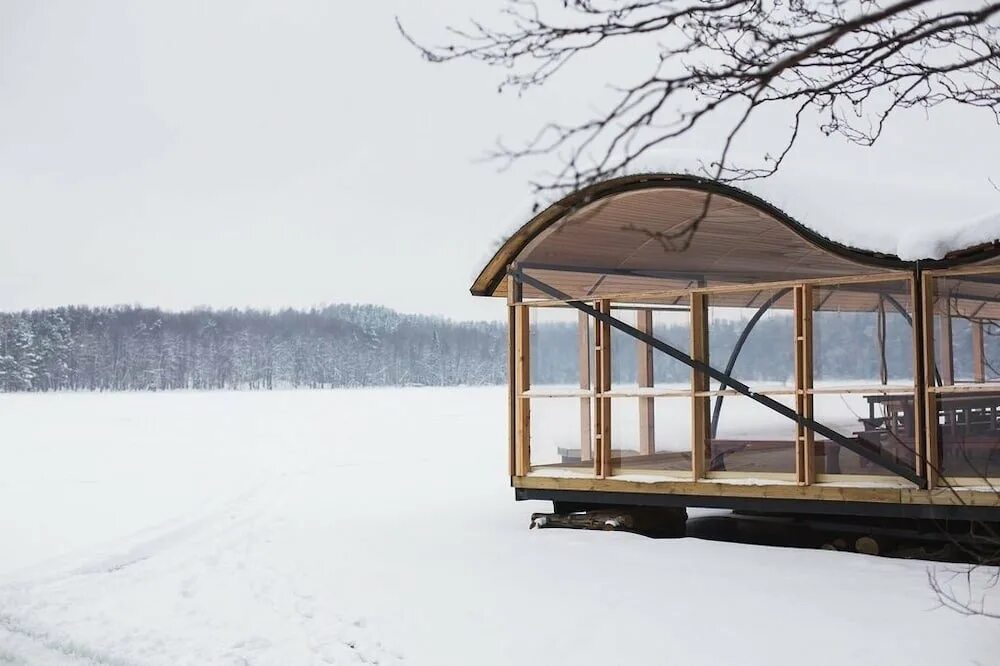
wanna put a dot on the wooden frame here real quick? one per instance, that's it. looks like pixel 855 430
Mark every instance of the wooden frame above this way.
pixel 513 292
pixel 939 343
pixel 583 342
pixel 602 386
pixel 920 374
pixel 700 408
pixel 736 234
pixel 651 296
pixel 958 271
pixel 595 397
pixel 886 493
pixel 522 372
pixel 805 457
pixel 930 446
pixel 644 367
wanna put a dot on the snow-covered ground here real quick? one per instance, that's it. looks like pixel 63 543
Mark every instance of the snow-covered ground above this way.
pixel 376 526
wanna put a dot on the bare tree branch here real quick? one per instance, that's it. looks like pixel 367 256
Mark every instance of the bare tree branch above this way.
pixel 853 64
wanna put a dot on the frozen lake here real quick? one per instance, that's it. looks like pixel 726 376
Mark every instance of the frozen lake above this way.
pixel 377 526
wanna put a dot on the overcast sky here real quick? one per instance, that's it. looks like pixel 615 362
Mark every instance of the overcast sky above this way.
pixel 273 154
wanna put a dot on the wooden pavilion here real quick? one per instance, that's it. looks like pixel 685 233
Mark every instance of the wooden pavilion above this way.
pixel 919 436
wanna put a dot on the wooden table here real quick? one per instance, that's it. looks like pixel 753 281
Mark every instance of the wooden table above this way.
pixel 972 413
pixel 967 423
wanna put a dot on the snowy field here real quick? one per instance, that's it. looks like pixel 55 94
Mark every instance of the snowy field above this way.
pixel 377 526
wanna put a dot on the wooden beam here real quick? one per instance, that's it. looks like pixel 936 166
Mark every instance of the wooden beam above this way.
pixel 513 292
pixel 932 456
pixel 919 376
pixel 602 404
pixel 583 341
pixel 655 295
pixel 966 389
pixel 598 397
pixel 850 491
pixel 644 364
pixel 964 270
pixel 978 352
pixel 805 454
pixel 522 345
pixel 807 355
pixel 700 416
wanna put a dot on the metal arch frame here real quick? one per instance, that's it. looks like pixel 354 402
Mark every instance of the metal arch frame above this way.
pixel 738 347
pixel 909 320
pixel 851 444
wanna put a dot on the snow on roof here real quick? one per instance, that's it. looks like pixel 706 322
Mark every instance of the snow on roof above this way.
pixel 912 220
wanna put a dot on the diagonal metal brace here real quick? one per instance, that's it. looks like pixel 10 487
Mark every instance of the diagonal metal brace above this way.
pixel 848 443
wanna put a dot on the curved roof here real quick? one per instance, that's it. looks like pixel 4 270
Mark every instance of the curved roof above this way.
pixel 613 237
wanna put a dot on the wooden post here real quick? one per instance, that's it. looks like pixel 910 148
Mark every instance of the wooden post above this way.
pixel 930 411
pixel 522 344
pixel 513 295
pixel 586 436
pixel 805 453
pixel 919 376
pixel 598 382
pixel 644 364
pixel 978 352
pixel 602 381
pixel 700 418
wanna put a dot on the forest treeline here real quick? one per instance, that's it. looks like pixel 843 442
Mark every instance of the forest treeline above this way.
pixel 133 348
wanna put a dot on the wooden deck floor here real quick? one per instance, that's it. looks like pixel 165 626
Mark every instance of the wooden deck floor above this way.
pixel 744 456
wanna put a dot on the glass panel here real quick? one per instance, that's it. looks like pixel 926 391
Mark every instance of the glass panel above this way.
pixel 674 328
pixel 862 334
pixel 673 436
pixel 556 361
pixel 556 440
pixel 883 423
pixel 651 431
pixel 966 349
pixel 967 329
pixel 753 334
pixel 624 430
pixel 968 434
pixel 752 438
pixel 863 374
pixel 561 350
pixel 763 320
